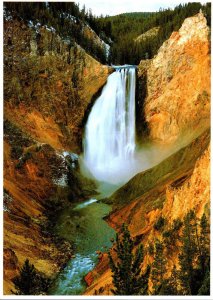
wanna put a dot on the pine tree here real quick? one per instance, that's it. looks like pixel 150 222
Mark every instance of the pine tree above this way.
pixel 25 282
pixel 126 269
pixel 29 281
pixel 205 287
pixel 169 286
pixel 204 242
pixel 204 256
pixel 158 268
pixel 194 258
pixel 189 251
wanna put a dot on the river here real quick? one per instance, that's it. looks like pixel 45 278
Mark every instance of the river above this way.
pixel 109 157
pixel 83 225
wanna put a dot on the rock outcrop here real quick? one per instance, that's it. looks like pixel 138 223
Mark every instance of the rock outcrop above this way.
pixel 49 85
pixel 32 184
pixel 175 168
pixel 175 84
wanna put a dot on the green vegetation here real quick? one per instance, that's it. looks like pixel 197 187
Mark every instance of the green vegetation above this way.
pixel 160 223
pixel 190 238
pixel 204 244
pixel 171 236
pixel 127 277
pixel 30 281
pixel 127 27
pixel 16 138
pixel 159 268
pixel 170 285
pixel 119 31
pixel 150 249
pixel 192 275
pixel 194 257
pixel 65 18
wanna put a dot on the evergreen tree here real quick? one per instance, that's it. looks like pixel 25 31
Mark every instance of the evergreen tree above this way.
pixel 194 258
pixel 204 242
pixel 119 31
pixel 205 287
pixel 173 282
pixel 169 286
pixel 126 269
pixel 171 236
pixel 25 282
pixel 204 256
pixel 158 268
pixel 189 251
pixel 144 283
pixel 29 281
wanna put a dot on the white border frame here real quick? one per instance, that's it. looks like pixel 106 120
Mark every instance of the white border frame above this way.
pixel 1 214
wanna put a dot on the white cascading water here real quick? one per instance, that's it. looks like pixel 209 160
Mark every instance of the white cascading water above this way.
pixel 109 143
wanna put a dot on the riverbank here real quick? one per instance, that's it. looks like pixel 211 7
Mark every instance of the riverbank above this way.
pixel 83 226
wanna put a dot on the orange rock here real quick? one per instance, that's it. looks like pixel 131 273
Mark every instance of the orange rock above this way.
pixel 10 260
pixel 59 85
pixel 175 79
pixel 43 75
pixel 89 278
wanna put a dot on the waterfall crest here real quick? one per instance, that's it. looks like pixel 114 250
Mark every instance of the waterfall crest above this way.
pixel 109 142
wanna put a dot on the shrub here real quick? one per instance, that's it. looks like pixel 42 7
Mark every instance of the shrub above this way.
pixel 177 224
pixel 160 223
pixel 16 151
pixel 150 249
pixel 23 160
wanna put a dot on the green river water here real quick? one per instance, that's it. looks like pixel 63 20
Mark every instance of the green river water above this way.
pixel 83 225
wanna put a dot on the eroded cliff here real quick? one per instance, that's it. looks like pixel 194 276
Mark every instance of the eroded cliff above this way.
pixel 49 85
pixel 175 84
pixel 175 103
pixel 181 183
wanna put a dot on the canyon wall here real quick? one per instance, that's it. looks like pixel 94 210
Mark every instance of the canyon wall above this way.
pixel 183 190
pixel 175 84
pixel 175 104
pixel 49 85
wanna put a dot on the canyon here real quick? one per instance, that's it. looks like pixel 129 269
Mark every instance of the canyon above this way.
pixel 43 125
pixel 50 87
pixel 175 81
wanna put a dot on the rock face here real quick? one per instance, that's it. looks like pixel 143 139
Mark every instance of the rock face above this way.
pixel 175 85
pixel 174 102
pixel 177 166
pixel 49 86
pixel 31 185
pixel 169 190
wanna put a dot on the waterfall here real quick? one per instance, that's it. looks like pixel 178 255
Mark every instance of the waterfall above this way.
pixel 109 142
